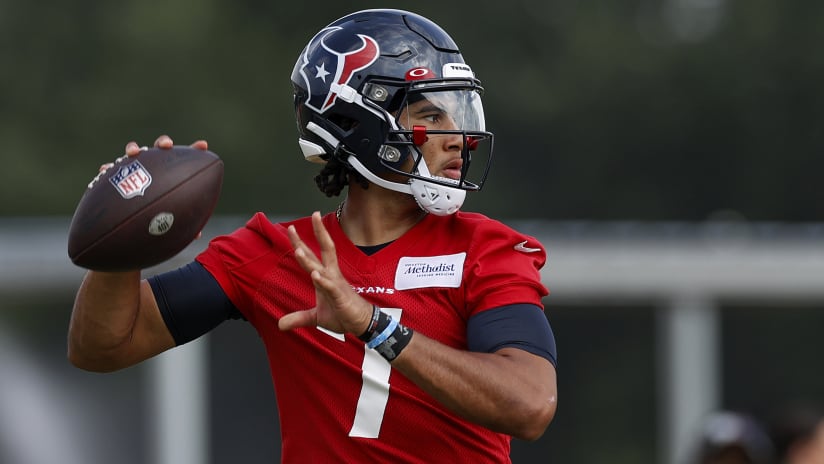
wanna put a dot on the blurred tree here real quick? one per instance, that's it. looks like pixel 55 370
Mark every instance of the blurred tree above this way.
pixel 644 109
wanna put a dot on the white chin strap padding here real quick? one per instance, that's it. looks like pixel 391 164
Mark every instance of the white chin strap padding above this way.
pixel 432 198
pixel 437 199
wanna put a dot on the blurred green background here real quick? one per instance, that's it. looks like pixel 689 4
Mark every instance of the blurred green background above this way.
pixel 642 111
pixel 645 109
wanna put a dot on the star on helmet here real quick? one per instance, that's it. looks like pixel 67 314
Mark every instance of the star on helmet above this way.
pixel 321 72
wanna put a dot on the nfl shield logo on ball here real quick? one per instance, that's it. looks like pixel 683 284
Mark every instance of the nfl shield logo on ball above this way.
pixel 131 180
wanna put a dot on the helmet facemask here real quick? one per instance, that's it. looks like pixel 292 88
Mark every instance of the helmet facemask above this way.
pixel 444 118
pixel 360 85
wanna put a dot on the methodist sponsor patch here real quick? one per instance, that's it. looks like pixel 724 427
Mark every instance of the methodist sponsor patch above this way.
pixel 430 271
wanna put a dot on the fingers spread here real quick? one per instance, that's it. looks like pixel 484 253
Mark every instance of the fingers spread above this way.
pixel 294 237
pixel 306 258
pixel 307 318
pixel 327 245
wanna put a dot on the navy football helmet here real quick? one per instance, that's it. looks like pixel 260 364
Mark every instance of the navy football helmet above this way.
pixel 355 83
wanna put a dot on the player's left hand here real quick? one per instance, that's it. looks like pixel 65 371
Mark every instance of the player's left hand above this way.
pixel 338 307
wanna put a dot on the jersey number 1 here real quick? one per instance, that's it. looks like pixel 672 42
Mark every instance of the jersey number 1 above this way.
pixel 374 391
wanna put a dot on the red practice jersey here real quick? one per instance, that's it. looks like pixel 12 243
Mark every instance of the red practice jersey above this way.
pixel 340 401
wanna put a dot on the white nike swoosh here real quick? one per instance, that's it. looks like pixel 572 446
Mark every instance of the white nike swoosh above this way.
pixel 522 247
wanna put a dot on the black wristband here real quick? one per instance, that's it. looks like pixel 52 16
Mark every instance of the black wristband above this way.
pixel 370 331
pixel 395 343
pixel 385 335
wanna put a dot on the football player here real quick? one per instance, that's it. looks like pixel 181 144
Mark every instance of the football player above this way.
pixel 398 328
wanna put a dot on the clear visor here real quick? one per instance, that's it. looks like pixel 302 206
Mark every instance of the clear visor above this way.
pixel 447 129
pixel 444 110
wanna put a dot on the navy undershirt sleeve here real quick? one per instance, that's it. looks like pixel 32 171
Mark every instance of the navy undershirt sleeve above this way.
pixel 522 326
pixel 191 301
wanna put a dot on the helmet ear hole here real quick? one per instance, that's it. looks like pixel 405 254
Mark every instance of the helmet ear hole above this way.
pixel 343 122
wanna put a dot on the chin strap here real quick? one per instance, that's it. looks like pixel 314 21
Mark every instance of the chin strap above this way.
pixel 437 199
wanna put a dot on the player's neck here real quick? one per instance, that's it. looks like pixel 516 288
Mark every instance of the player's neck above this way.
pixel 374 218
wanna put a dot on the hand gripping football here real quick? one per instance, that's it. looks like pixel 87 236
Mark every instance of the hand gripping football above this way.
pixel 145 209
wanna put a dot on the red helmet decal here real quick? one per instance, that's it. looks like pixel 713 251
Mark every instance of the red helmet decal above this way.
pixel 416 74
pixel 353 61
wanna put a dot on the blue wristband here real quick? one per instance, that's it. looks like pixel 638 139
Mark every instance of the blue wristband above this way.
pixel 393 324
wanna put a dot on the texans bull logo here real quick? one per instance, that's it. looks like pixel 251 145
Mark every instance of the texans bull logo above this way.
pixel 337 57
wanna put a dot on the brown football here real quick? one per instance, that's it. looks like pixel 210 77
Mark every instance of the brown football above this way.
pixel 145 209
